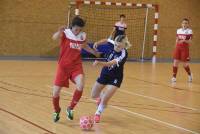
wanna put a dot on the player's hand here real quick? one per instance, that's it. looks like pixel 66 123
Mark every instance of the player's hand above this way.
pixel 95 63
pixel 181 41
pixel 95 46
pixel 97 54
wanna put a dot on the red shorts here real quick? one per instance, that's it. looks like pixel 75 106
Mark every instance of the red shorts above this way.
pixel 182 53
pixel 63 75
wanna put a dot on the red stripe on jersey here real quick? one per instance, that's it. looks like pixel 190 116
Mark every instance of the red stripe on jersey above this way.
pixel 184 36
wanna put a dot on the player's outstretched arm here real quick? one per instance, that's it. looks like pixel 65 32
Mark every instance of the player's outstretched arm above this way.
pixel 90 50
pixel 58 34
pixel 107 64
pixel 100 42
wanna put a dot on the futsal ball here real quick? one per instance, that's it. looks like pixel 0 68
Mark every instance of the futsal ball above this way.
pixel 86 122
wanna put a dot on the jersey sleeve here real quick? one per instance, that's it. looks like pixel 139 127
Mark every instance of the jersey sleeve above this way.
pixel 121 58
pixel 191 33
pixel 111 41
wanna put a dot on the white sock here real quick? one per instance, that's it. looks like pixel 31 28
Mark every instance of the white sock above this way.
pixel 100 109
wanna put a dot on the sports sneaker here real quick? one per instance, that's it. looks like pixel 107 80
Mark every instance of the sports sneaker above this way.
pixel 97 118
pixel 70 114
pixel 98 101
pixel 173 79
pixel 56 116
pixel 190 78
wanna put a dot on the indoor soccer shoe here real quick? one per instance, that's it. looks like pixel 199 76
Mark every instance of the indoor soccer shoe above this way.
pixel 70 114
pixel 56 116
pixel 173 79
pixel 97 118
pixel 190 78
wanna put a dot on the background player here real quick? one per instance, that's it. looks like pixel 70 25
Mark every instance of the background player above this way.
pixel 70 64
pixel 181 53
pixel 119 28
pixel 111 74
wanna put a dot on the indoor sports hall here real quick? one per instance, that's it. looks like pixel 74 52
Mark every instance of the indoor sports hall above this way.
pixel 160 90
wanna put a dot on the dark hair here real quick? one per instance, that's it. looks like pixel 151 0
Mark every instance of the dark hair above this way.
pixel 78 21
pixel 119 38
pixel 186 19
pixel 122 16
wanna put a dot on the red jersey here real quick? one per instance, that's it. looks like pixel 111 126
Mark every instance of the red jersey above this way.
pixel 184 34
pixel 70 48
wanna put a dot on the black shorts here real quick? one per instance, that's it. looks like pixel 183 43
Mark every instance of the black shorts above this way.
pixel 106 79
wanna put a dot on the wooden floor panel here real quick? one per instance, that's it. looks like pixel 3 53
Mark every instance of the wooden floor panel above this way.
pixel 146 103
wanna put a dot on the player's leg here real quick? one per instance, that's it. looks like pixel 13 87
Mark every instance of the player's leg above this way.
pixel 77 77
pixel 79 81
pixel 61 80
pixel 108 93
pixel 187 69
pixel 55 101
pixel 186 59
pixel 176 62
pixel 175 69
pixel 97 92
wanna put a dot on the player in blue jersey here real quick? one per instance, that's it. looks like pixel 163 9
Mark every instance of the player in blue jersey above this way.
pixel 112 72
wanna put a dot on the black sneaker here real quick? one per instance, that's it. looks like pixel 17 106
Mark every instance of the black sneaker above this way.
pixel 56 116
pixel 70 114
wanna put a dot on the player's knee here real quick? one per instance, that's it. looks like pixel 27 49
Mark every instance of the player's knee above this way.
pixel 80 87
pixel 93 95
pixel 176 63
pixel 185 64
pixel 56 91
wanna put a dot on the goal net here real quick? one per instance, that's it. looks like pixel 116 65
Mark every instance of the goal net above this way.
pixel 100 19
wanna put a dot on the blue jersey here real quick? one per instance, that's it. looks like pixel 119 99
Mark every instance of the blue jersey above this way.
pixel 117 69
pixel 113 75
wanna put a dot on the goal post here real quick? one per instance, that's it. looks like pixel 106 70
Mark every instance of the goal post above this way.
pixel 141 19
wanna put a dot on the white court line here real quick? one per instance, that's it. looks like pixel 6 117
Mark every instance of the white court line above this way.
pixel 141 115
pixel 153 119
pixel 156 99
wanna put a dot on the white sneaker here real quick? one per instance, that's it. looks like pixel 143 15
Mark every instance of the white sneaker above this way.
pixel 173 79
pixel 190 78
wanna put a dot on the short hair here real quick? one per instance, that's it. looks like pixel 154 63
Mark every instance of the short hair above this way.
pixel 122 16
pixel 78 21
pixel 186 19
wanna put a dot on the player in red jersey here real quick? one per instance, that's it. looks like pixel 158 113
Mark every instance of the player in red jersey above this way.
pixel 181 53
pixel 70 64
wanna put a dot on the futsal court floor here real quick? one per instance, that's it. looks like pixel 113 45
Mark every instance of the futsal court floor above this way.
pixel 147 102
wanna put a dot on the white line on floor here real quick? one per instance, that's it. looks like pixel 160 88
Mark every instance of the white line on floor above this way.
pixel 156 99
pixel 141 115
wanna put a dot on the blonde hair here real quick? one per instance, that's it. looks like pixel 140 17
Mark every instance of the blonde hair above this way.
pixel 123 39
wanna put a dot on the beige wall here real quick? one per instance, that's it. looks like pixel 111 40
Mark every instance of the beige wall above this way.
pixel 27 26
